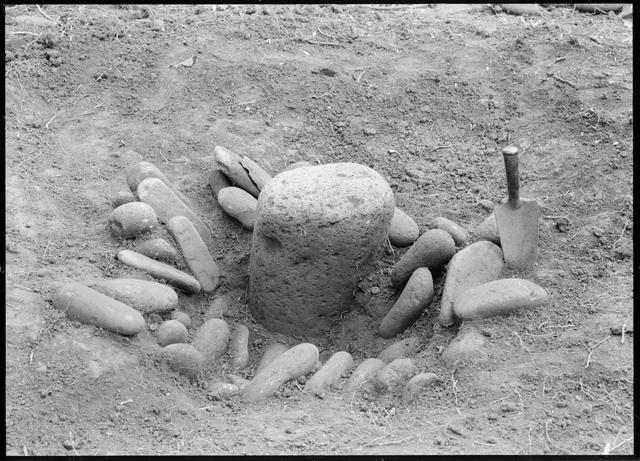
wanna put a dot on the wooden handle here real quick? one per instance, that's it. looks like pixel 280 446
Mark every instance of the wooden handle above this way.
pixel 510 155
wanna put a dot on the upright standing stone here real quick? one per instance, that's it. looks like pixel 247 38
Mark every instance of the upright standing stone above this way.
pixel 318 231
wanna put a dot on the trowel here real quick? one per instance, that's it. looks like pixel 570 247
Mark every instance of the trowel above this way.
pixel 517 219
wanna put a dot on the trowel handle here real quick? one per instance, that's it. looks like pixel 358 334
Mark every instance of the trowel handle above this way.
pixel 510 154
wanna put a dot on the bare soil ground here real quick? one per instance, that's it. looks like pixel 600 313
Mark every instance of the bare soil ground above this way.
pixel 427 97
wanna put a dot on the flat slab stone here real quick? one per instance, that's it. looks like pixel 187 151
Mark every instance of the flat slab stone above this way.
pixel 318 231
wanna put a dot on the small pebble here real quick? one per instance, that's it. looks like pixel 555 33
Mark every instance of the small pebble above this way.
pixel 403 230
pixel 212 339
pixel 458 233
pixel 171 332
pixel 370 131
pixel 239 204
pixel 401 349
pixel 182 358
pixel 68 444
pixel 181 317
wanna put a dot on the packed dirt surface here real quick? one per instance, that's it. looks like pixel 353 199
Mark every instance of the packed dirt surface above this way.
pixel 426 96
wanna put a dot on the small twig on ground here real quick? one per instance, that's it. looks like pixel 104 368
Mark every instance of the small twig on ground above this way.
pixel 24 32
pixel 162 155
pixel 245 103
pixel 624 228
pixel 562 80
pixel 314 42
pixel 46 125
pixel 546 432
pixel 590 349
pixel 500 400
pixel 454 388
pixel 530 428
pixel 440 147
pixel 121 74
pixel 324 33
pixel 78 100
pixel 46 15
pixel 519 398
pixel 125 402
pixel 360 76
pixel 515 333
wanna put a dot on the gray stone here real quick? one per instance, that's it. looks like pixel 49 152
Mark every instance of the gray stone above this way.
pixel 404 230
pixel 330 373
pixel 89 306
pixel 160 270
pixel 230 164
pixel 319 231
pixel 239 347
pixel 182 358
pixel 143 295
pixel 257 174
pixel 416 385
pixel 121 198
pixel 195 253
pixel 498 297
pixel 414 299
pixel 432 250
pixel 271 351
pixel 140 171
pixel 217 181
pixel 167 205
pixel 467 347
pixel 171 332
pixel 394 375
pixel 212 339
pixel 458 233
pixel 158 248
pixel 181 317
pixel 401 349
pixel 132 219
pixel 239 204
pixel 222 391
pixel 476 264
pixel 362 377
pixel 487 230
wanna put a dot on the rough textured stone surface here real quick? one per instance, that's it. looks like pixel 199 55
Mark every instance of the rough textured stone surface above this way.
pixel 487 230
pixel 89 306
pixel 140 171
pixel 394 375
pixel 458 233
pixel 319 230
pixel 217 181
pixel 181 317
pixel 433 250
pixel 402 349
pixel 167 205
pixel 239 204
pixel 296 362
pixel 239 347
pixel 476 264
pixel 415 386
pixel 498 297
pixel 229 164
pixel 330 373
pixel 171 332
pixel 143 295
pixel 212 339
pixel 121 198
pixel 158 248
pixel 362 377
pixel 195 253
pixel 272 351
pixel 467 347
pixel 182 358
pixel 415 298
pixel 132 219
pixel 160 270
pixel 403 230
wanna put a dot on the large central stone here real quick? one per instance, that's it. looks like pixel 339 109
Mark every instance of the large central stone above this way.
pixel 318 231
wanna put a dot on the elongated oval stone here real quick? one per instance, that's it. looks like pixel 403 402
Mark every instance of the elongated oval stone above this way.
pixel 474 265
pixel 498 297
pixel 212 340
pixel 362 377
pixel 89 306
pixel 297 361
pixel 272 351
pixel 458 233
pixel 330 373
pixel 160 270
pixel 158 248
pixel 394 375
pixel 182 358
pixel 414 299
pixel 229 164
pixel 239 347
pixel 143 295
pixel 416 385
pixel 195 253
pixel 140 171
pixel 401 349
pixel 239 204
pixel 432 250
pixel 167 205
